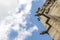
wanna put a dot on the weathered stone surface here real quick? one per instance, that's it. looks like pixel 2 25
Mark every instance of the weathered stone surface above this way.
pixel 49 15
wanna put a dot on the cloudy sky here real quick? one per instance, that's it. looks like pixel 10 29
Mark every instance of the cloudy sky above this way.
pixel 17 20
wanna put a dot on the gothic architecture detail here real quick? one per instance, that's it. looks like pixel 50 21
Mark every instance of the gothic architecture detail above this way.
pixel 49 15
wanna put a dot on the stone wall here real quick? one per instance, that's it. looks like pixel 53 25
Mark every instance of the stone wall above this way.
pixel 49 15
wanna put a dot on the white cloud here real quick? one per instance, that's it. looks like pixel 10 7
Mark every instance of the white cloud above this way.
pixel 5 6
pixel 13 20
pixel 25 33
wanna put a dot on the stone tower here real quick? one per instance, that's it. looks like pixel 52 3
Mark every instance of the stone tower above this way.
pixel 49 15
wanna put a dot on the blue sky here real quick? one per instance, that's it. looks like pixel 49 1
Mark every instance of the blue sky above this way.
pixel 20 22
pixel 36 35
